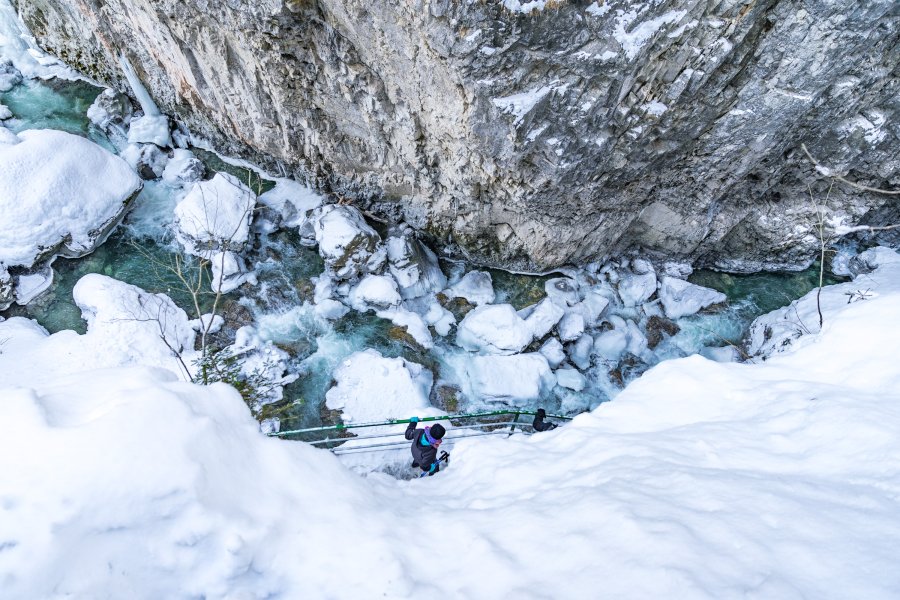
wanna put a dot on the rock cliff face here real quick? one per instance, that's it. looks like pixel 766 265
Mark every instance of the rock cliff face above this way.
pixel 535 133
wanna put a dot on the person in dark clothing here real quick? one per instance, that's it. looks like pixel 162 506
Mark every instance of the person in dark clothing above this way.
pixel 425 444
pixel 538 422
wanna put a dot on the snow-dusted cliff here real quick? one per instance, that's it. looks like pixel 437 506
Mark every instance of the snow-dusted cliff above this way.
pixel 532 133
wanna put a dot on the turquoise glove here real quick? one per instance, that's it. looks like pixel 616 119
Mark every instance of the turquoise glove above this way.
pixel 414 420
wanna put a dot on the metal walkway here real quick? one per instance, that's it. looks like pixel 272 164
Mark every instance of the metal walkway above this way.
pixel 500 422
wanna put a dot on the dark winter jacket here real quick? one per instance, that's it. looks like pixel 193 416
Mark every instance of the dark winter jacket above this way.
pixel 539 424
pixel 424 455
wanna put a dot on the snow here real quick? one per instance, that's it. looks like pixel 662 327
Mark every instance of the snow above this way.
pixel 636 38
pixel 370 387
pixel 17 46
pixel 52 173
pixel 571 326
pixel 215 213
pixel 553 351
pixel 680 298
pixel 476 287
pixel 635 289
pixel 519 105
pixel 700 480
pixel 570 378
pixel 515 380
pixel 413 265
pixel 5 113
pixel 524 7
pixel 493 328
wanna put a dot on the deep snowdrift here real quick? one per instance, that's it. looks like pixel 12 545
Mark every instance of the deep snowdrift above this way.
pixel 771 480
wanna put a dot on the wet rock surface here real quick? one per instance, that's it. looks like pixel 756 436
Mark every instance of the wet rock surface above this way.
pixel 673 126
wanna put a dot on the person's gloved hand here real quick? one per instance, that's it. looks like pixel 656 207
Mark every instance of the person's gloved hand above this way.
pixel 414 420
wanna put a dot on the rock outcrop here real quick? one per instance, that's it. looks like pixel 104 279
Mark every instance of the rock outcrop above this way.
pixel 532 138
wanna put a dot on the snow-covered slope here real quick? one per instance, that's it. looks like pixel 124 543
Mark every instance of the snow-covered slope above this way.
pixel 701 480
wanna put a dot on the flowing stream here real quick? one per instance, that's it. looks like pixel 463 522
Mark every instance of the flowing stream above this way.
pixel 138 250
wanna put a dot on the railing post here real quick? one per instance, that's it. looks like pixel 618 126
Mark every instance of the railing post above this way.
pixel 512 427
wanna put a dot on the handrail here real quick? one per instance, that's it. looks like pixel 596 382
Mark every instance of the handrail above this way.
pixel 345 426
pixel 404 444
pixel 400 433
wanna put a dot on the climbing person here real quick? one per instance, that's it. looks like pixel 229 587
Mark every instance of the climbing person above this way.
pixel 538 422
pixel 425 444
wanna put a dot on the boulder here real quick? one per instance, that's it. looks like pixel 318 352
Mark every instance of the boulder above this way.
pixel 493 328
pixel 349 246
pixel 516 380
pixel 680 298
pixel 475 287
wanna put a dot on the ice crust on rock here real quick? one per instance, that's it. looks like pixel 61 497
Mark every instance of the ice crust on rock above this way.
pixel 150 129
pixel 369 387
pixel 10 76
pixel 553 351
pixel 571 326
pixel 51 198
pixel 184 168
pixel 476 287
pixel 493 328
pixel 292 200
pixel 563 291
pixel 515 380
pixel 111 110
pixel 413 265
pixel 680 298
pixel 637 288
pixel 5 113
pixel 570 378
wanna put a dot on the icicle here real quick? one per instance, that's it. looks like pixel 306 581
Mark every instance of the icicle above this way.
pixel 140 92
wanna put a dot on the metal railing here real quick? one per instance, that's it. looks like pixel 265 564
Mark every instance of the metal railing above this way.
pixel 461 429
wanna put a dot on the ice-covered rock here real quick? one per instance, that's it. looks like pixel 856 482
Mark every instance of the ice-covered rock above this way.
pixel 476 287
pixel 571 326
pixel 375 292
pixel 637 288
pixel 553 351
pixel 515 380
pixel 595 303
pixel 262 360
pixel 680 298
pixel 5 113
pixel 214 215
pixel 413 265
pixel 32 285
pixel 871 259
pixel 212 221
pixel 7 137
pixel 52 197
pixel 570 378
pixel 720 354
pixel 580 351
pixel 184 168
pixel 292 200
pixel 208 322
pixel 349 246
pixel 370 387
pixel 637 341
pixel 9 75
pixel 680 270
pixel 439 317
pixel 543 317
pixel 150 129
pixel 111 110
pixel 563 291
pixel 414 324
pixel 494 328
pixel 610 345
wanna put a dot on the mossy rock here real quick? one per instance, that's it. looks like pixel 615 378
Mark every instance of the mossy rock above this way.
pixel 459 307
pixel 446 397
pixel 400 333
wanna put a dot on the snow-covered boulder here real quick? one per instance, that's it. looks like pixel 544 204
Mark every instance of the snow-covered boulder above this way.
pixel 370 387
pixel 476 287
pixel 413 265
pixel 494 328
pixel 680 298
pixel 594 306
pixel 5 113
pixel 147 159
pixel 515 380
pixel 439 317
pixel 292 200
pixel 579 352
pixel 111 109
pixel 610 345
pixel 563 291
pixel 213 221
pixel 414 324
pixel 150 129
pixel 571 326
pixel 375 292
pixel 52 201
pixel 183 168
pixel 553 351
pixel 543 317
pixel 9 76
pixel 349 246
pixel 637 288
pixel 570 378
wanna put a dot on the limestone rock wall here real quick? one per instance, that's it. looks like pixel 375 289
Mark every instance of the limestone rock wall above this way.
pixel 533 139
